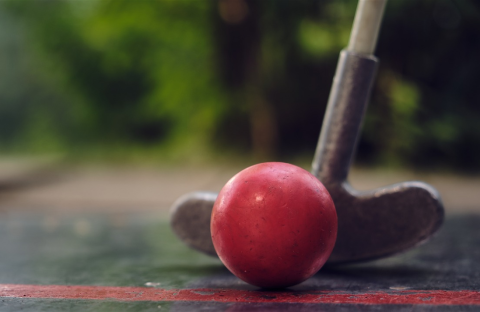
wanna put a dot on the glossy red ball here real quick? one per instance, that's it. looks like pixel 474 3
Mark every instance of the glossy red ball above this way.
pixel 274 225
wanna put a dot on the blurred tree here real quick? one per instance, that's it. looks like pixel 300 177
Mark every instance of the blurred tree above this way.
pixel 142 70
pixel 277 76
pixel 240 74
pixel 239 42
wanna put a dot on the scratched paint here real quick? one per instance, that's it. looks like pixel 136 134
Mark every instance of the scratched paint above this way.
pixel 412 297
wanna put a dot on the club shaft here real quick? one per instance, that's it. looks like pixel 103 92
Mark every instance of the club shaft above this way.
pixel 366 26
pixel 349 96
pixel 343 118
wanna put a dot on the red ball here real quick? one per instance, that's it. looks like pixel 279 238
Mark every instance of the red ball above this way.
pixel 274 225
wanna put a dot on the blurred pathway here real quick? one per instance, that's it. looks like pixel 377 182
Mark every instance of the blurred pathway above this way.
pixel 25 186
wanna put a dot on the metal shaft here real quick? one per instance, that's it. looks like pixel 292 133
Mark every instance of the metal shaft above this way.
pixel 343 118
pixel 349 96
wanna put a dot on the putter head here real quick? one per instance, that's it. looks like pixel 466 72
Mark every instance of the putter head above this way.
pixel 371 225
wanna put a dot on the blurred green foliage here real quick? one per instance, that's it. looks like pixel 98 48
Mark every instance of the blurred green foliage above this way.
pixel 184 78
pixel 135 72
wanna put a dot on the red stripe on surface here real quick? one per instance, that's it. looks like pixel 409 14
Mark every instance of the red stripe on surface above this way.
pixel 431 297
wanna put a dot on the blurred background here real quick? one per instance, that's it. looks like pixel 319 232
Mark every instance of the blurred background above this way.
pixel 231 83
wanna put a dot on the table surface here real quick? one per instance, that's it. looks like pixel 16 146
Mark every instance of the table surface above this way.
pixel 131 261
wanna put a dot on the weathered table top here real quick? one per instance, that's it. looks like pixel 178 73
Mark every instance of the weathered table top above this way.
pixel 133 262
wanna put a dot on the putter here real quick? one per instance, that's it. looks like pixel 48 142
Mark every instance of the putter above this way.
pixel 372 224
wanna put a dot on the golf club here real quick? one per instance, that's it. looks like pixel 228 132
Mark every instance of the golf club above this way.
pixel 371 224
